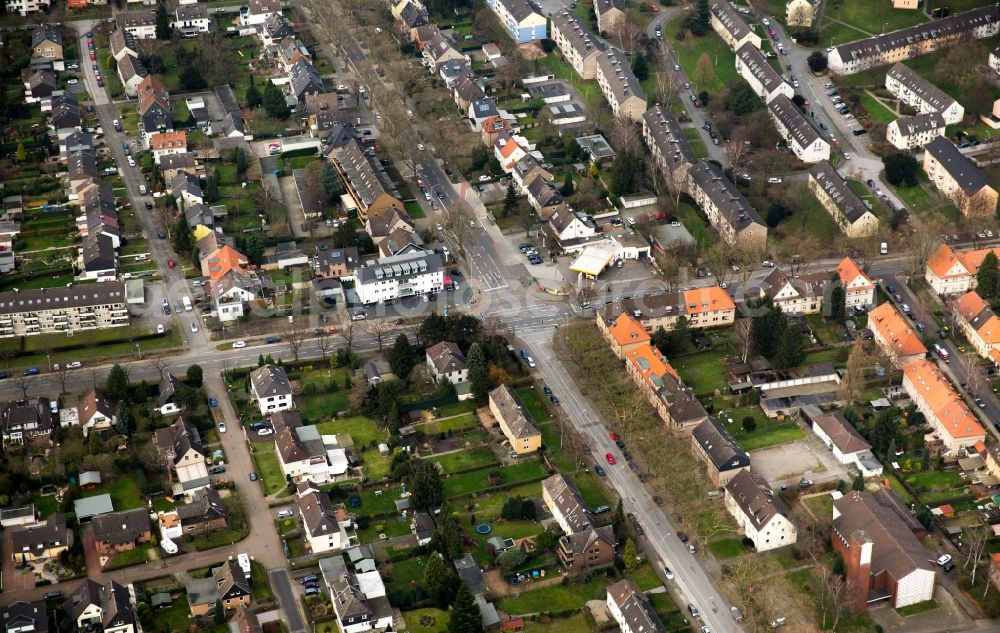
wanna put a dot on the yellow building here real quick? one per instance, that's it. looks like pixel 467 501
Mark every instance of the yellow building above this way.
pixel 958 178
pixel 515 420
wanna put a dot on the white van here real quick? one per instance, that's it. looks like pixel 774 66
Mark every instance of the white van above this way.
pixel 142 190
pixel 884 248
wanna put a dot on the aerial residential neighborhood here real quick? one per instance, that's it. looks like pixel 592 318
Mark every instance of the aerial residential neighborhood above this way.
pixel 458 316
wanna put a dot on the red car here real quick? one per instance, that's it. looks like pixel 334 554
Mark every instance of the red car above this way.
pixel 614 436
pixel 697 103
pixel 93 57
pixel 611 459
pixel 171 263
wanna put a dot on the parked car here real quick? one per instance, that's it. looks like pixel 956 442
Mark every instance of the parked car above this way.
pixel 222 427
pixel 284 514
pixel 31 371
pixel 74 364
pixel 239 344
pixel 599 471
pixel 253 476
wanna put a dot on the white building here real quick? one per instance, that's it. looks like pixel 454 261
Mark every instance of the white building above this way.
pixel 916 92
pixel 271 389
pixel 802 138
pixel 191 20
pixel 258 11
pixel 859 288
pixel 305 455
pixel 404 275
pixel 26 7
pixel 520 19
pixel 844 441
pixel 446 360
pixel 631 609
pixel 761 514
pixel 913 132
pixel 326 526
pixel 140 23
pixel 758 72
pixel 731 26
pixel 63 309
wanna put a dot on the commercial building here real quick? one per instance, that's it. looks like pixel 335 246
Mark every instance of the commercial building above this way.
pixel 844 441
pixel 878 540
pixel 761 514
pixel 915 91
pixel 913 132
pixel 896 46
pixel 405 275
pixel 760 74
pixel 63 309
pixel 850 212
pixel 729 213
pixel 958 178
pixel 800 135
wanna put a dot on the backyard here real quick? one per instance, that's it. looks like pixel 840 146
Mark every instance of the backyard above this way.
pixel 690 50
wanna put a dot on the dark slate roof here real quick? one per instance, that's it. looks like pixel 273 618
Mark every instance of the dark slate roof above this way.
pixel 119 528
pixel 205 505
pixel 965 173
pixel 98 252
pixel 666 133
pixel 755 498
pixel 178 438
pixel 635 608
pixel 26 617
pixel 799 128
pixel 118 610
pixel 732 205
pixel 35 538
pixel 270 380
pixel 876 518
pixel 928 92
pixel 46 32
pixel 722 449
pixel 911 125
pixel 851 206
pixel 89 593
pixel 446 357
pixel 318 513
pixel 515 414
pixel 62 297
pixel 569 502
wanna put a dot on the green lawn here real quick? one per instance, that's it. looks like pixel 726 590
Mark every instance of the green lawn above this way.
pixel 323 406
pixel 391 527
pixel 426 621
pixel 376 465
pixel 466 459
pixel 414 209
pixel 768 435
pixel 456 408
pixel 696 224
pixel 555 598
pixel 363 430
pixel 124 491
pixel 920 607
pixel 533 400
pixel 821 506
pixel 835 33
pixel 377 505
pixel 703 372
pixel 462 422
pixel 127 559
pixel 688 54
pixel 873 17
pixel 935 480
pixel 45 505
pixel 174 618
pixel 468 483
pixel 726 548
pixel 591 489
pixel 876 109
pixel 645 576
pixel 268 468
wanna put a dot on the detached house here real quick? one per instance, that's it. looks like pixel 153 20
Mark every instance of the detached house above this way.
pixel 325 525
pixel 166 403
pixel 446 360
pixel 23 421
pixel 583 544
pixel 205 512
pixel 859 288
pixel 271 388
pixel 121 531
pixel 515 420
pixel 25 617
pixel 97 412
pixel 227 585
pixel 761 514
pixel 631 609
pixel 47 42
pixel 844 441
pixel 40 541
pixel 180 447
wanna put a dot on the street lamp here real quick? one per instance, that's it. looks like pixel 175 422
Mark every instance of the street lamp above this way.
pixel 139 350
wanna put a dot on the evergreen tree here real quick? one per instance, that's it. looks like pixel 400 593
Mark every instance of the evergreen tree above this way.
pixel 426 491
pixel 451 537
pixel 859 483
pixel 220 614
pixel 195 376
pixel 926 518
pixel 465 616
pixel 628 556
pixel 749 424
pixel 116 386
pixel 435 582
pixel 883 430
pixel 791 350
pixel 640 68
pixel 567 186
pixel 274 102
pixel 182 240
pixel 618 522
pixel 211 188
pixel 509 200
pixel 254 99
pixel 124 419
pixel 445 388
pixel 241 161
pixel 925 460
pixel 768 328
pixel 704 17
pixel 191 78
pixel 20 154
pixel 986 277
pixel 838 303
pixel 402 357
pixel 626 173
pixel 479 377
pixel 890 452
pixel 163 29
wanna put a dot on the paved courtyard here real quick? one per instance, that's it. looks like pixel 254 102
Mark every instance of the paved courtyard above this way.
pixel 807 458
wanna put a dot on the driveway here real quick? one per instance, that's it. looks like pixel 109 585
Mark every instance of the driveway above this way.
pixel 293 206
pixel 13 578
pixel 90 555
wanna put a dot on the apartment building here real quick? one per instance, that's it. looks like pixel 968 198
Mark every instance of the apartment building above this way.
pixel 610 14
pixel 958 178
pixel 620 87
pixel 859 288
pixel 913 132
pixel 730 25
pixel 63 309
pixel 760 74
pixel 761 514
pixel 631 609
pixel 722 454
pixel 27 7
pixel 668 145
pixel 896 46
pixel 729 213
pixel 366 181
pixel 622 331
pixel 167 144
pixel 951 272
pixel 892 331
pixel 583 544
pixel 800 135
pixel 979 324
pixel 879 541
pixel 140 23
pixel 954 424
pixel 520 19
pixel 848 210
pixel 673 401
pixel 915 91
pixel 515 420
pixel 706 307
pixel 403 275
pixel 801 294
pixel 577 44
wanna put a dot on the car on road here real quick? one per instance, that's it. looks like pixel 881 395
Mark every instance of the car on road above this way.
pixel 239 344
pixel 614 436
pixel 530 360
pixel 253 476
pixel 148 205
pixel 284 514
pixel 213 402
pixel 217 470
pixel 440 195
pixel 454 272
pixel 194 327
pixel 980 403
pixel 131 160
pixel 4 374
pixel 72 80
pixel 669 574
pixel 171 263
pixel 93 56
pixel 947 567
pixel 75 364
pixel 554 400
pixel 677 68
pixel 222 427
pixel 611 459
pixel 272 339
pixel 599 471
pixel 806 483
pixel 546 390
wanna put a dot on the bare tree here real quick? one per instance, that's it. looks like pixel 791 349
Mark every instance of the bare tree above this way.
pixel 378 329
pixel 347 331
pixel 627 35
pixel 324 341
pixel 62 375
pixel 975 543
pixel 744 337
pixel 834 595
pixel 23 383
pixel 853 379
pixel 295 337
pixel 161 365
pixel 922 244
pixel 976 379
pixel 625 135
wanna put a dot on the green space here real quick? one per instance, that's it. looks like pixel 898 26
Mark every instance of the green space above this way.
pixel 571 624
pixel 456 408
pixel 691 217
pixel 364 431
pixel 645 576
pixel 703 372
pixel 565 597
pixel 477 480
pixel 689 52
pixel 768 434
pixel 836 33
pixel 871 17
pixel 414 209
pixel 390 527
pixel 821 506
pixel 127 559
pixel 878 111
pixel 174 618
pixel 46 505
pixel 935 480
pixel 591 489
pixel 320 406
pixel 268 468
pixel 124 491
pixel 426 620
pixel 376 465
pixel 534 401
pixel 373 504
pixel 462 422
pixel 260 590
pixel 726 548
pixel 465 459
pixel 920 607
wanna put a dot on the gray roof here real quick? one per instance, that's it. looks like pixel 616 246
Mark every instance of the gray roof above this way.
pixel 305 79
pixel 446 357
pixel 876 47
pixel 580 542
pixel 190 12
pixel 89 593
pixel 121 40
pixel 438 46
pixel 402 266
pixel 635 608
pixel 227 98
pixel 46 32
pixel 318 513
pixel 413 15
pixel 576 33
pixel 179 438
pixel 519 9
pixel 205 505
pixel 603 6
pixel 90 477
pixel 270 380
pixel 348 257
pixel 759 67
pixel 123 527
pixel 722 449
pixel 515 414
pixel 733 207
pixel 380 226
pixel 467 89
pixel 362 170
pixel 881 519
pixel 755 498
pixel 231 580
pixel 64 297
pixel 25 617
pixel 912 125
pixel 93 506
pixel 568 501
pixel 141 17
pixel 33 539
pixel 730 18
pixel 668 137
pixel 928 92
pixel 850 205
pixel 618 72
pixel 965 173
pixel 841 432
pixel 130 68
pixel 468 570
pixel 118 611
pixel 799 128
pixel 29 417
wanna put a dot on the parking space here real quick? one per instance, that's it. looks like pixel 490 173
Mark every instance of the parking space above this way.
pixel 803 459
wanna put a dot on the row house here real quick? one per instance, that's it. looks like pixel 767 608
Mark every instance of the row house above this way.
pixel 894 335
pixel 669 147
pixel 954 424
pixel 849 211
pixel 365 180
pixel 958 178
pixel 674 402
